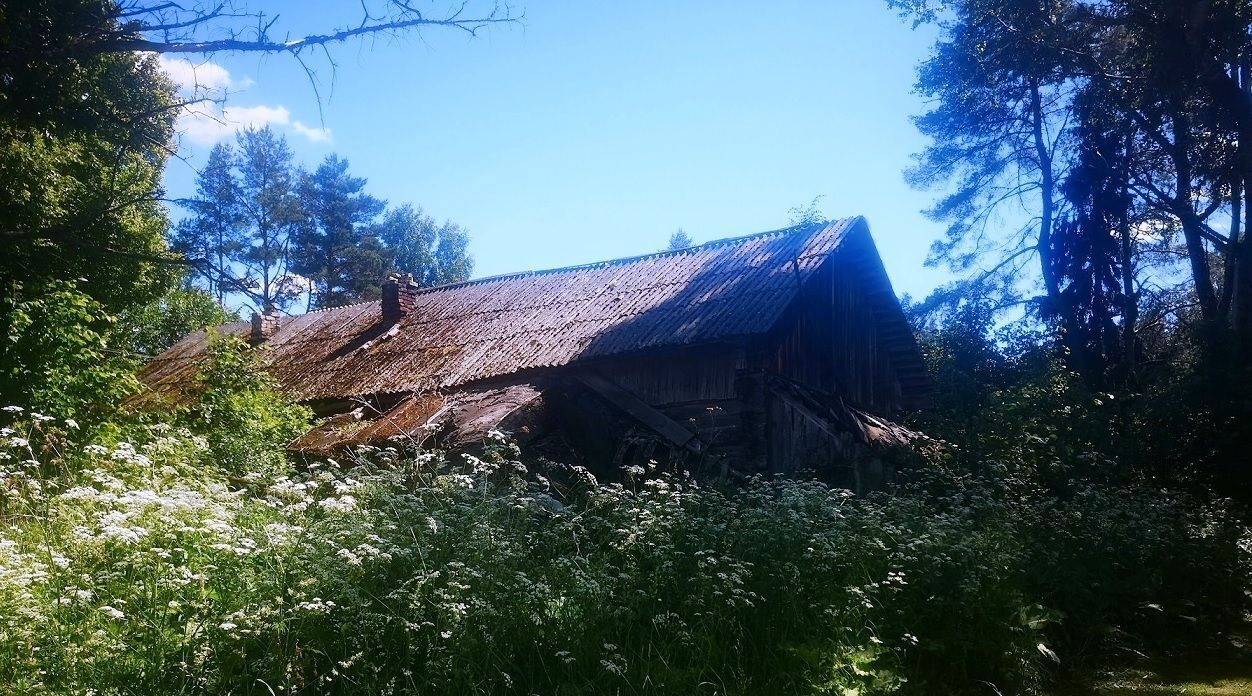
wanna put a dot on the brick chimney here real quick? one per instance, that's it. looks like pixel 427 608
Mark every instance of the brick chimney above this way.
pixel 399 296
pixel 264 325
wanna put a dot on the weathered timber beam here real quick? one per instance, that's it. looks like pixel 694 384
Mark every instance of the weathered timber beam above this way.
pixel 816 418
pixel 636 408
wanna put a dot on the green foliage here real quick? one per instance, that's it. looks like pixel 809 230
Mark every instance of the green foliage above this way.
pixel 82 144
pixel 807 214
pixel 55 354
pixel 337 249
pixel 1190 423
pixel 214 232
pixel 245 420
pixel 679 240
pixel 1129 569
pixel 146 569
pixel 1008 403
pixel 434 253
pixel 149 329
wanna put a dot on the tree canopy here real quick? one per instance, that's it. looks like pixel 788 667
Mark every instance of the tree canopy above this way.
pixel 87 122
pixel 1085 148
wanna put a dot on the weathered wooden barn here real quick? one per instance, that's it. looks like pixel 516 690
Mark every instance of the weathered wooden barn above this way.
pixel 785 351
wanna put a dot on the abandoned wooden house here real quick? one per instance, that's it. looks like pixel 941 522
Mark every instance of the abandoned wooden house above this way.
pixel 785 351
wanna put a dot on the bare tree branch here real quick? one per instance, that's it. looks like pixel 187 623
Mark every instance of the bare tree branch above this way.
pixel 169 28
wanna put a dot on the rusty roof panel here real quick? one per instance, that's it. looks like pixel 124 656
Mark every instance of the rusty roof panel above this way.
pixel 485 328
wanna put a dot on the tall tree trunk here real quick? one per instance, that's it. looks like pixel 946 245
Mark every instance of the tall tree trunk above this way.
pixel 1130 309
pixel 216 282
pixel 266 249
pixel 1230 267
pixel 1071 335
pixel 1239 252
pixel 1239 258
pixel 1184 209
pixel 1047 203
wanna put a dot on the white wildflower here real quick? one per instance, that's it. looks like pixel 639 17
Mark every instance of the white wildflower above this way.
pixel 344 503
pixel 348 556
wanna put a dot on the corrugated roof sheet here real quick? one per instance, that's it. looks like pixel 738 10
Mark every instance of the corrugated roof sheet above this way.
pixel 490 327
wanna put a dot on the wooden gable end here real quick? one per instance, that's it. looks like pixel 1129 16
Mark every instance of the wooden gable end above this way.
pixel 846 335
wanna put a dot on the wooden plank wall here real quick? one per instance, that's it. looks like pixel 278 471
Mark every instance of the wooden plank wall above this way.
pixel 699 373
pixel 832 342
pixel 797 444
pixel 699 388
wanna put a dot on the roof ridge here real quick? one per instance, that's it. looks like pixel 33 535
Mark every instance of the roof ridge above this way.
pixel 726 241
pixel 331 309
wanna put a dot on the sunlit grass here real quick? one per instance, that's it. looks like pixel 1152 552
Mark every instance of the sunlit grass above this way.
pixel 1154 685
pixel 1229 675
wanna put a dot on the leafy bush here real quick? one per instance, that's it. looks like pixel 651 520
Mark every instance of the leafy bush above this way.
pixel 245 419
pixel 147 329
pixel 55 354
pixel 150 568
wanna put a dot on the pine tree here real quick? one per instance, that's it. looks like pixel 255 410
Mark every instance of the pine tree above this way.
pixel 214 232
pixel 272 212
pixel 337 250
pixel 679 240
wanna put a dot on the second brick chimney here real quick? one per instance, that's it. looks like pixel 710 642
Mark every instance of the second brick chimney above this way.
pixel 399 296
pixel 264 325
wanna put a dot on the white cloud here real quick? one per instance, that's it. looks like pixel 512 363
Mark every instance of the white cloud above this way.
pixel 206 124
pixel 198 77
pixel 256 116
pixel 317 135
pixel 208 121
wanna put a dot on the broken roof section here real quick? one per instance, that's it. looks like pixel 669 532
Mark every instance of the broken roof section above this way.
pixel 458 334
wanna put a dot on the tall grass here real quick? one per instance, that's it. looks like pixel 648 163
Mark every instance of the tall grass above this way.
pixel 144 567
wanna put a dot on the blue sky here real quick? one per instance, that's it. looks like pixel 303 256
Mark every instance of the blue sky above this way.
pixel 594 130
